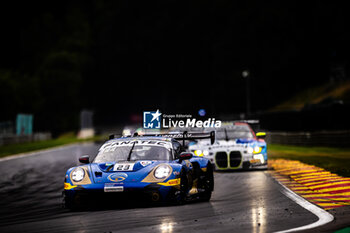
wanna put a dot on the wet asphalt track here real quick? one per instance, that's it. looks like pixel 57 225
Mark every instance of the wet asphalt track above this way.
pixel 30 201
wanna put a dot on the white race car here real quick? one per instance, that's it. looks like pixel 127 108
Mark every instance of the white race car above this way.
pixel 236 147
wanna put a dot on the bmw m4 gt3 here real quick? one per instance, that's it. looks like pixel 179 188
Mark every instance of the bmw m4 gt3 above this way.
pixel 236 146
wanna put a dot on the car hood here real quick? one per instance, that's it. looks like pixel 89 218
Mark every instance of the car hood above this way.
pixel 125 165
pixel 245 141
pixel 119 172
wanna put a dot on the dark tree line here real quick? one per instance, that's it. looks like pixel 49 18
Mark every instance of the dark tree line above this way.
pixel 123 57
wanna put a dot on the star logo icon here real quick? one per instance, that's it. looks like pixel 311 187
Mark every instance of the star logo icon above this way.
pixel 156 115
pixel 151 119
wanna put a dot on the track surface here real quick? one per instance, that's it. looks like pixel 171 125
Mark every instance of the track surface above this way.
pixel 30 201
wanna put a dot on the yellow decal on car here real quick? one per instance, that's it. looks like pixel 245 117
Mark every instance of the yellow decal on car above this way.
pixel 68 186
pixel 254 161
pixel 171 182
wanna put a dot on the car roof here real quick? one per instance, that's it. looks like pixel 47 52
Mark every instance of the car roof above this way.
pixel 157 138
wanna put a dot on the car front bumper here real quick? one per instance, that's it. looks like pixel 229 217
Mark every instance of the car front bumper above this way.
pixel 119 193
pixel 237 160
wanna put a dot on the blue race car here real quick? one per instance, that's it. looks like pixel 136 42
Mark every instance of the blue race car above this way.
pixel 154 168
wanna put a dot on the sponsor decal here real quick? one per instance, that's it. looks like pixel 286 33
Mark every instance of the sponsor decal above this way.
pixel 111 187
pixel 171 182
pixel 145 163
pixel 113 145
pixel 117 177
pixel 254 161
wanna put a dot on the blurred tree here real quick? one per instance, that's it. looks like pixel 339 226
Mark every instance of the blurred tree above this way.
pixel 122 57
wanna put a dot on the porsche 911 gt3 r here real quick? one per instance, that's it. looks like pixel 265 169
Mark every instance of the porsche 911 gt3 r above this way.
pixel 236 147
pixel 142 167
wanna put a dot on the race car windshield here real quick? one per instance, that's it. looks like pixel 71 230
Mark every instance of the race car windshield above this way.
pixel 234 134
pixel 139 152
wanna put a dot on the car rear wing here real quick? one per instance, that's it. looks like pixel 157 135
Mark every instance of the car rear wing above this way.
pixel 255 124
pixel 185 136
pixel 251 122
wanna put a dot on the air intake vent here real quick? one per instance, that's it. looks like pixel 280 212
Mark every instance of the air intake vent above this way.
pixel 221 159
pixel 235 158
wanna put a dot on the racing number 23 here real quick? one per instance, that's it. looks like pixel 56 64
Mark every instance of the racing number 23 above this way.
pixel 123 167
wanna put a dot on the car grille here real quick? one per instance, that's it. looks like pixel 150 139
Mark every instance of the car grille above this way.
pixel 235 158
pixel 221 159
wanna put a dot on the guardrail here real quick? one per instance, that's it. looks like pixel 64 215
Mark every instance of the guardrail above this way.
pixel 14 139
pixel 321 138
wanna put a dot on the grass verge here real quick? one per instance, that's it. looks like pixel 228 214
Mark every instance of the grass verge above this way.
pixel 33 146
pixel 336 160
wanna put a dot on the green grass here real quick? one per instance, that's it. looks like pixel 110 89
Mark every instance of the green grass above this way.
pixel 336 160
pixel 344 230
pixel 33 146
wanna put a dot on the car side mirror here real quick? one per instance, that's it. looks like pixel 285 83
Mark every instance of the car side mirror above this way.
pixel 261 135
pixel 84 159
pixel 185 156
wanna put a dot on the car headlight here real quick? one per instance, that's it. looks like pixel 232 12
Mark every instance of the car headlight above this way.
pixel 162 171
pixel 250 150
pixel 198 152
pixel 201 152
pixel 257 149
pixel 78 174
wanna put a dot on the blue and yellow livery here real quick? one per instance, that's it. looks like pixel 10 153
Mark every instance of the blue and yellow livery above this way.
pixel 154 168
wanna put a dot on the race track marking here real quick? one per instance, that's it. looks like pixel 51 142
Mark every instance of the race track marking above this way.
pixel 323 216
pixel 315 184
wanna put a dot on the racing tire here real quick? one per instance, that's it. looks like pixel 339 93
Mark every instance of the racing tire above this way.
pixel 180 197
pixel 208 184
